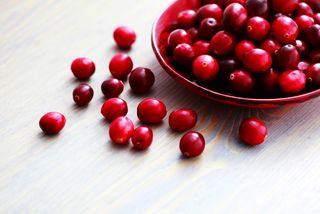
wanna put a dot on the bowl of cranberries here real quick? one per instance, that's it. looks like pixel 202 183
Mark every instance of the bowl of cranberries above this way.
pixel 253 53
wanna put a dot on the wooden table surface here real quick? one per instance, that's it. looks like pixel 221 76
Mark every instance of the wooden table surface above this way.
pixel 80 171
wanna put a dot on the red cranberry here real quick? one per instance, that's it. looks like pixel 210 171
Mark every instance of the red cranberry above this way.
pixel 142 138
pixel 304 22
pixel 187 19
pixel 222 43
pixel 257 28
pixel 192 144
pixel 83 68
pixel 253 131
pixel 183 54
pixel 316 18
pixel 121 130
pixel 315 5
pixel 257 60
pixel 270 45
pixel 235 17
pixel 210 11
pixel 301 46
pixel 287 58
pixel 285 7
pixel 177 37
pixel 284 29
pixel 120 66
pixel 205 68
pixel 124 37
pixel 113 108
pixel 303 66
pixel 220 3
pixel 141 80
pixel 243 47
pixel 257 8
pixel 182 120
pixel 314 56
pixel 193 32
pixel 201 48
pixel 83 94
pixel 292 81
pixel 304 9
pixel 208 28
pixel 312 36
pixel 52 122
pixel 242 82
pixel 112 87
pixel 269 81
pixel 151 111
pixel 313 74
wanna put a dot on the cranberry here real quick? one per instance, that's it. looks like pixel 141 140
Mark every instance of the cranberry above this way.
pixel 201 48
pixel 242 82
pixel 304 22
pixel 235 17
pixel 83 68
pixel 141 80
pixel 220 3
pixel 253 131
pixel 193 32
pixel 316 18
pixel 315 5
pixel 120 66
pixel 142 138
pixel 292 81
pixel 303 9
pixel 187 19
pixel 314 56
pixel 112 87
pixel 243 47
pixel 312 36
pixel 257 60
pixel 227 65
pixel 228 2
pixel 284 29
pixel 269 81
pixel 303 66
pixel 257 8
pixel 192 144
pixel 208 28
pixel 124 37
pixel 182 120
pixel 151 111
pixel 113 108
pixel 210 11
pixel 177 37
pixel 121 130
pixel 183 54
pixel 313 74
pixel 287 57
pixel 257 28
pixel 205 68
pixel 270 45
pixel 301 46
pixel 83 94
pixel 52 122
pixel 222 43
pixel 285 7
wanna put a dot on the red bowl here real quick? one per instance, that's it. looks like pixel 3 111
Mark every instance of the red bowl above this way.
pixel 159 36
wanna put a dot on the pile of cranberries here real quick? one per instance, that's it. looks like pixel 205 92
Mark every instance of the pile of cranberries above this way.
pixel 249 48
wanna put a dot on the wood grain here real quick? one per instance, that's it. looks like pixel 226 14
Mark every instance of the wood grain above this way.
pixel 80 171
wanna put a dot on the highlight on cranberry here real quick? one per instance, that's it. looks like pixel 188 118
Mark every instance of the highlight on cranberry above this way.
pixel 83 68
pixel 253 131
pixel 52 122
pixel 124 37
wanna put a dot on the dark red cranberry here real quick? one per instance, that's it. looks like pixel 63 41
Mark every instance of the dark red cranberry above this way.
pixel 121 130
pixel 315 5
pixel 222 43
pixel 303 66
pixel 269 81
pixel 82 94
pixel 257 8
pixel 285 7
pixel 120 66
pixel 312 36
pixel 177 37
pixel 304 22
pixel 112 87
pixel 257 60
pixel 210 11
pixel 187 19
pixel 205 68
pixel 314 56
pixel 182 120
pixel 235 17
pixel 208 28
pixel 287 58
pixel 192 144
pixel 124 37
pixel 227 65
pixel 284 29
pixel 253 131
pixel 228 2
pixel 142 138
pixel 242 82
pixel 151 111
pixel 194 35
pixel 316 18
pixel 220 3
pixel 183 54
pixel 201 48
pixel 292 81
pixel 270 45
pixel 257 28
pixel 141 80
pixel 113 108
pixel 83 68
pixel 304 9
pixel 243 47
pixel 52 122
pixel 313 74
pixel 301 47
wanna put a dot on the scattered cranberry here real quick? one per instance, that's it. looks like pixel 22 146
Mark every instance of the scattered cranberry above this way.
pixel 235 17
pixel 292 81
pixel 121 130
pixel 113 108
pixel 205 68
pixel 208 28
pixel 253 131
pixel 257 60
pixel 112 87
pixel 304 22
pixel 182 120
pixel 270 45
pixel 269 81
pixel 183 54
pixel 120 66
pixel 243 47
pixel 284 29
pixel 52 122
pixel 83 68
pixel 83 94
pixel 201 48
pixel 186 19
pixel 287 58
pixel 257 28
pixel 257 8
pixel 192 144
pixel 124 37
pixel 151 111
pixel 304 9
pixel 210 11
pixel 285 7
pixel 242 82
pixel 222 43
pixel 142 138
pixel 313 74
pixel 141 80
pixel 312 36
pixel 177 37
